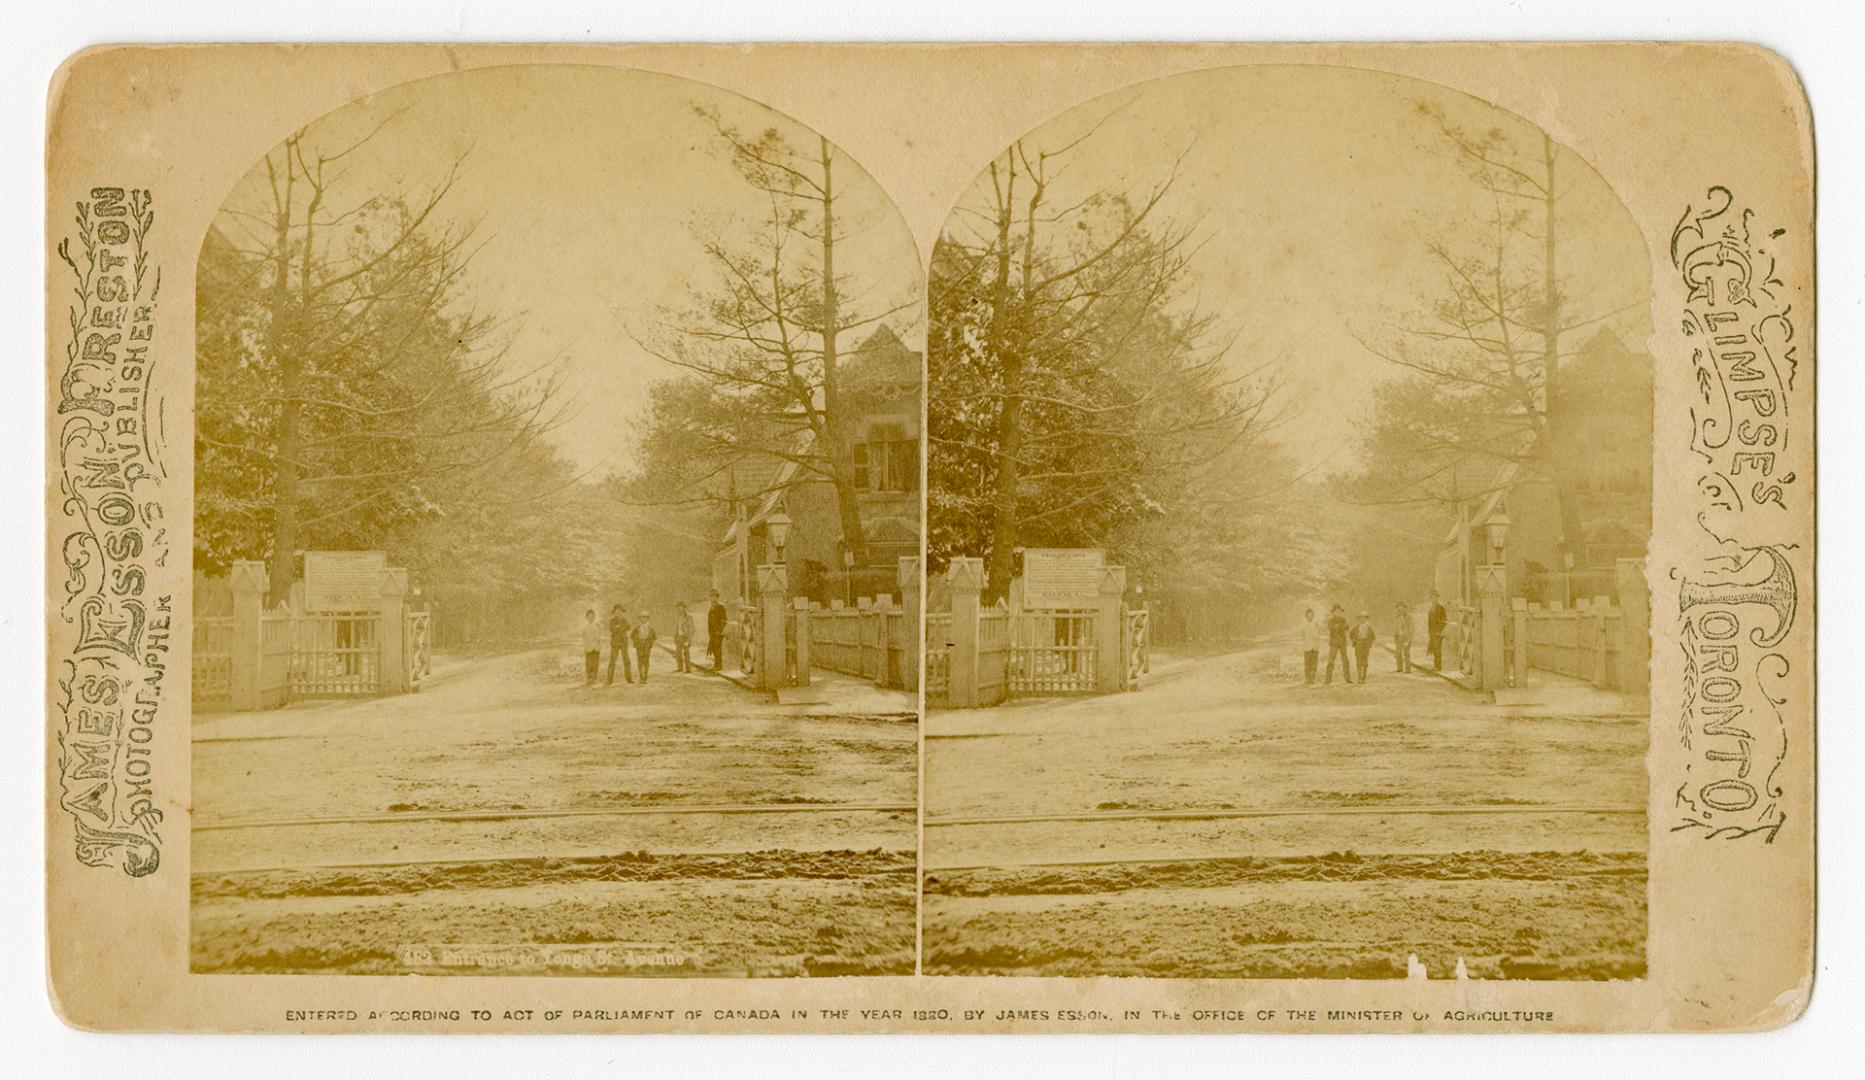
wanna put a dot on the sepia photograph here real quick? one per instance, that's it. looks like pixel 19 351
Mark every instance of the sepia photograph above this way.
pixel 1288 497
pixel 556 537
pixel 956 538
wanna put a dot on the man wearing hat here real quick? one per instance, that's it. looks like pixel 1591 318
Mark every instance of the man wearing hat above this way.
pixel 643 636
pixel 1362 638
pixel 1337 644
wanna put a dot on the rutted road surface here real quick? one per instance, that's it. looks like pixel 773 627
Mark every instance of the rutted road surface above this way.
pixel 1226 821
pixel 506 819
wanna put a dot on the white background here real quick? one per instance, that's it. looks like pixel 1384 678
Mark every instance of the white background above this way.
pixel 1822 40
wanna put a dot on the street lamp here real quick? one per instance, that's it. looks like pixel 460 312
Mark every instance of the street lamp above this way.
pixel 848 575
pixel 1498 529
pixel 778 526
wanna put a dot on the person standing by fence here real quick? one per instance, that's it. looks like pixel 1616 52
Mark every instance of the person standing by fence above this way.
pixel 682 638
pixel 1402 638
pixel 592 647
pixel 1311 647
pixel 1434 633
pixel 643 636
pixel 715 632
pixel 618 644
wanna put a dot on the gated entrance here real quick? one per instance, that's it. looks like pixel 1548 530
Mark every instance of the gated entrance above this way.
pixel 336 655
pixel 1053 652
pixel 248 657
pixel 979 654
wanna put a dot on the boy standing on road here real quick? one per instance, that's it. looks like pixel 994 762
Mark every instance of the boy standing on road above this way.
pixel 592 647
pixel 643 636
pixel 682 637
pixel 1337 644
pixel 1402 638
pixel 618 644
pixel 1311 647
pixel 1362 638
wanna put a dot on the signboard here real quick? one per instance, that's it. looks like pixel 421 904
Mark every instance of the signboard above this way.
pixel 343 580
pixel 1062 577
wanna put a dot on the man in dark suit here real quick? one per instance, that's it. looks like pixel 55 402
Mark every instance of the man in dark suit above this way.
pixel 715 632
pixel 618 644
pixel 1337 644
pixel 1434 633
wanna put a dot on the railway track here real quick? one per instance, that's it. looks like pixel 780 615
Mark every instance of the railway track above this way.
pixel 902 808
pixel 562 812
pixel 1323 811
pixel 1080 840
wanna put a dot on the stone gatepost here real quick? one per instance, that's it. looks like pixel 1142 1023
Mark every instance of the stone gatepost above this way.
pixel 1602 607
pixel 247 581
pixel 801 608
pixel 1110 660
pixel 773 585
pixel 965 578
pixel 1519 611
pixel 907 574
pixel 392 632
pixel 1493 606
pixel 1634 628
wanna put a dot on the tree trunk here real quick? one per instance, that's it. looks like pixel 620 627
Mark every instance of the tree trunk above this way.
pixel 835 427
pixel 284 356
pixel 1566 493
pixel 1000 562
pixel 279 574
pixel 1005 504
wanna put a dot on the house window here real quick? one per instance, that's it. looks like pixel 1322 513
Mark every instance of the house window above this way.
pixel 888 461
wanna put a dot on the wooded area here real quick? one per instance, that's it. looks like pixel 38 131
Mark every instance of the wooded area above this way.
pixel 351 394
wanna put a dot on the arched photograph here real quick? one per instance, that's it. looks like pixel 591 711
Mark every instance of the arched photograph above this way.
pixel 556 516
pixel 1289 489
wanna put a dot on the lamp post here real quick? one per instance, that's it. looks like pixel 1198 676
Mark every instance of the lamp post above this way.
pixel 1498 529
pixel 848 575
pixel 778 526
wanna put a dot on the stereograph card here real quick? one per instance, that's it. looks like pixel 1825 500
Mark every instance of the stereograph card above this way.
pixel 972 538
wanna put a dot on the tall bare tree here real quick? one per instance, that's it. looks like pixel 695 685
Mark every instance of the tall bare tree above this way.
pixel 768 342
pixel 348 375
pixel 1488 350
pixel 1074 382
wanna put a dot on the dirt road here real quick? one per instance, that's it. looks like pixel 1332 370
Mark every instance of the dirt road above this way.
pixel 1227 821
pixel 507 819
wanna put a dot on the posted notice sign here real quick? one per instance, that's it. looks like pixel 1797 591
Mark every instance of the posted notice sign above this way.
pixel 1062 577
pixel 343 580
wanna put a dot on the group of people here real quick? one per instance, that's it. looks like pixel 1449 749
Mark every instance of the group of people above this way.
pixel 632 641
pixel 1352 642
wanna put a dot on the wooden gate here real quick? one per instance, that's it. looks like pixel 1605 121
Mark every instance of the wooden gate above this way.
pixel 1052 652
pixel 213 662
pixel 1135 626
pixel 336 655
pixel 789 673
pixel 938 675
pixel 275 656
pixel 419 640
pixel 750 648
pixel 1462 641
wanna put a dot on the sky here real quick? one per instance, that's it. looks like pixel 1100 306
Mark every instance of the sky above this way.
pixel 589 184
pixel 1314 192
